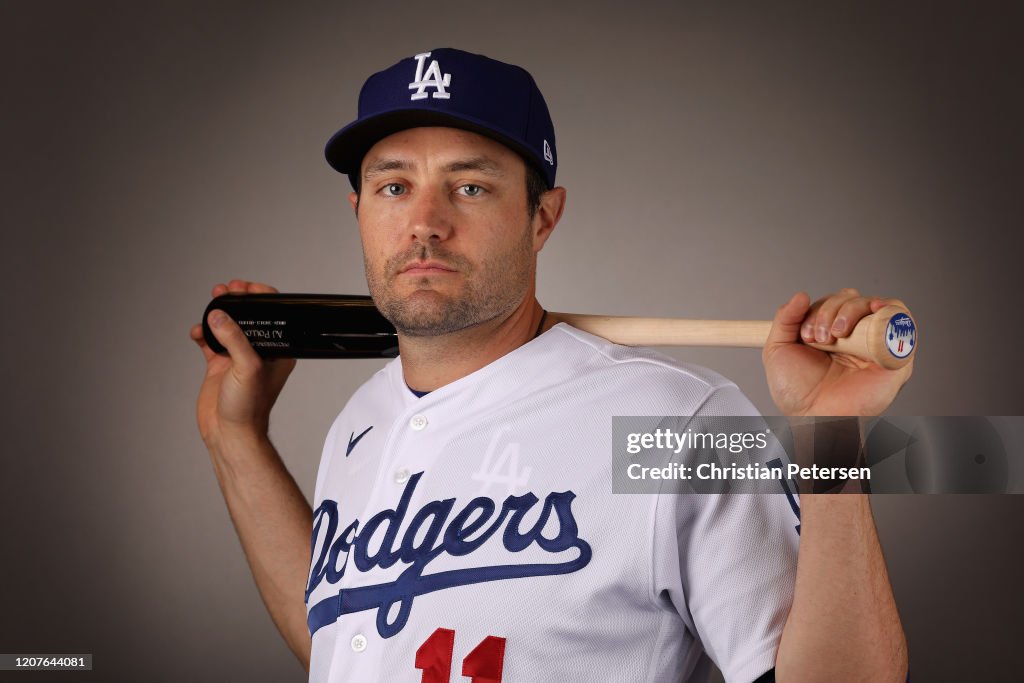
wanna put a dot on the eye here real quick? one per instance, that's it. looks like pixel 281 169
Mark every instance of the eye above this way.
pixel 471 190
pixel 393 189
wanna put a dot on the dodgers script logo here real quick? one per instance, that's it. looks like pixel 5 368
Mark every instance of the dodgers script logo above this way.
pixel 433 78
pixel 899 335
pixel 455 537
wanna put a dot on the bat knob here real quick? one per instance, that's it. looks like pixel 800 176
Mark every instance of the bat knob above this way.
pixel 888 337
pixel 892 337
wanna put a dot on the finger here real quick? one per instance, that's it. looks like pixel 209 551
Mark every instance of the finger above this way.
pixel 826 314
pixel 807 325
pixel 849 314
pixel 238 286
pixel 196 334
pixel 878 303
pixel 786 324
pixel 219 289
pixel 261 288
pixel 228 333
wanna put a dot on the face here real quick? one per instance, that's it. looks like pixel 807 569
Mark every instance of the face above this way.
pixel 448 241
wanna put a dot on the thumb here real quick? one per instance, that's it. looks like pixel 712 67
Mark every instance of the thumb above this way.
pixel 230 335
pixel 788 317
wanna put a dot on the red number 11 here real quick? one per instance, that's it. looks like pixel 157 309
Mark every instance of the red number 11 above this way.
pixel 483 665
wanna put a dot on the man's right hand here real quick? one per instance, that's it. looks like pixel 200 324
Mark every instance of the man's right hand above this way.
pixel 240 388
pixel 273 519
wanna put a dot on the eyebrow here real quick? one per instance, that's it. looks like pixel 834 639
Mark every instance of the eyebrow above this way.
pixel 384 166
pixel 482 164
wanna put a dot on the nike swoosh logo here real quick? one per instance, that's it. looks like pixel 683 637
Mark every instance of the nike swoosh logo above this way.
pixel 353 440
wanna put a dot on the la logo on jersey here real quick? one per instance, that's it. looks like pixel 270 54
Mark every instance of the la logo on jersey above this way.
pixel 502 468
pixel 432 78
pixel 433 532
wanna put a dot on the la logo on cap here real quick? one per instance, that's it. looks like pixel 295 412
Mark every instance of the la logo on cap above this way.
pixel 433 78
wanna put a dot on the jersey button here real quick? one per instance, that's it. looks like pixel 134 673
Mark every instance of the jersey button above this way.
pixel 359 642
pixel 418 422
pixel 401 476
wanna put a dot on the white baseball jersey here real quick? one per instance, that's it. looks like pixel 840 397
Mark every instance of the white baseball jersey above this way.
pixel 472 533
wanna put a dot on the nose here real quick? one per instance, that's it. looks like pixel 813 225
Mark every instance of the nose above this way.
pixel 429 215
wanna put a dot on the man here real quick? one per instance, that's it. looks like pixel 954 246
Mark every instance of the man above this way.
pixel 464 520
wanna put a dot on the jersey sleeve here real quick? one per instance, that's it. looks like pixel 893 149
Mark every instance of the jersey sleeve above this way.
pixel 726 563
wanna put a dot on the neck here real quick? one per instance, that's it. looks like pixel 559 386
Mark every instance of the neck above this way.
pixel 430 363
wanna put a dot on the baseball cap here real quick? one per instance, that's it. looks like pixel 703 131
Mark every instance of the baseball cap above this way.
pixel 453 88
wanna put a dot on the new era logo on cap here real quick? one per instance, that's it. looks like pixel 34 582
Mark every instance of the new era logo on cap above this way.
pixel 449 87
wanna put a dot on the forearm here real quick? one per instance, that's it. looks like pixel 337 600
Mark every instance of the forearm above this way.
pixel 274 524
pixel 843 624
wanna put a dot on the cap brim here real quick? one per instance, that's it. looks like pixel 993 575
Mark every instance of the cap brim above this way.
pixel 346 148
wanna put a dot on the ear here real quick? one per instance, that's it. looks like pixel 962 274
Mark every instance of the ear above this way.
pixel 353 199
pixel 552 203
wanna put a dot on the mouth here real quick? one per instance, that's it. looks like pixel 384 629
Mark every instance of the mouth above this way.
pixel 425 268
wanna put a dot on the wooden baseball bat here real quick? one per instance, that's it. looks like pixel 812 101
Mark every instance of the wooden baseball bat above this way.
pixel 888 337
pixel 350 326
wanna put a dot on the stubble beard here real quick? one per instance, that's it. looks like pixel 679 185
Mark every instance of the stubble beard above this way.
pixel 490 289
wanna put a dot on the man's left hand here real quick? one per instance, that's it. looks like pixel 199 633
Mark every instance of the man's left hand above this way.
pixel 806 381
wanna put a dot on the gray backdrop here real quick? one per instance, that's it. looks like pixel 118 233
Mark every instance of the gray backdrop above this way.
pixel 718 158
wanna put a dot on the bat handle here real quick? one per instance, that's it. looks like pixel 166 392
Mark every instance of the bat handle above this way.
pixel 888 337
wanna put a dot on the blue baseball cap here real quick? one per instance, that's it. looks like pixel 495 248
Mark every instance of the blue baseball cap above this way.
pixel 449 87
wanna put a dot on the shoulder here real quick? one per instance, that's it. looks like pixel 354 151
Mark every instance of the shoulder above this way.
pixel 635 380
pixel 635 364
pixel 380 385
pixel 635 358
pixel 374 396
